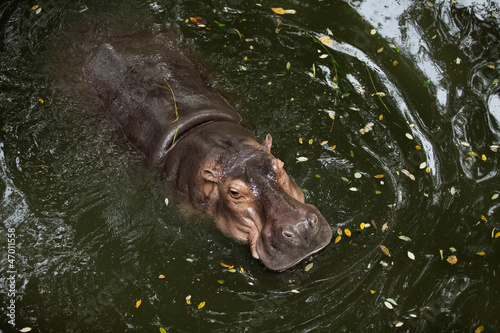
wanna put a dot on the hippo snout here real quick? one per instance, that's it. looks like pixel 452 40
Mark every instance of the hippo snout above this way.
pixel 299 233
pixel 292 238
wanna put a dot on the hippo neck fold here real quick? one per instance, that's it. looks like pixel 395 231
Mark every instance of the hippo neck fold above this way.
pixel 130 80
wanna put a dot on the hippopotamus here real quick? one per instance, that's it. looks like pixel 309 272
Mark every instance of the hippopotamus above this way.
pixel 154 90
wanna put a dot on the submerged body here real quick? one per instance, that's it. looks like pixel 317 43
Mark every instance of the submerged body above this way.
pixel 158 98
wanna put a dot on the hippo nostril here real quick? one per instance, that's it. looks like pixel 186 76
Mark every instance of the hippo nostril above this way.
pixel 287 234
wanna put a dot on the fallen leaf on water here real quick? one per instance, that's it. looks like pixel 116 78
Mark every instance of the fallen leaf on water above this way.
pixel 189 260
pixel 372 291
pixel 481 254
pixel 385 250
pixel 452 260
pixel 409 136
pixel 161 276
pixel 497 235
pixel 388 305
pixel 301 159
pixel 226 265
pixel 324 142
pixel 423 165
pixel 188 299
pixel 338 239
pixel 339 231
pixel 278 10
pixel 398 323
pixel 452 190
pixel 405 238
pixel 201 305
pixel 295 291
pixel 166 201
pixel 373 31
pixel 162 330
pixel 198 20
pixel 220 281
pixel 138 303
pixel 35 7
pixel 231 270
pixel 354 189
pixel 479 329
pixel 392 301
pixel 483 157
pixel 407 173
pixel 411 255
pixel 379 176
pixel 484 218
pixel 309 266
pixel 40 100
pixel 362 226
pixel 26 329
pixel 347 232
pixel 326 40
pixel 242 270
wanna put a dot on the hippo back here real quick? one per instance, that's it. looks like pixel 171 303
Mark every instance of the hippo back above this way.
pixel 133 75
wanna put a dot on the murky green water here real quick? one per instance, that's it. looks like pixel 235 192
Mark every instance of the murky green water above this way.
pixel 93 235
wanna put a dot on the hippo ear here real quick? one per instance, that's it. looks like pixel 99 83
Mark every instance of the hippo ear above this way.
pixel 210 174
pixel 268 142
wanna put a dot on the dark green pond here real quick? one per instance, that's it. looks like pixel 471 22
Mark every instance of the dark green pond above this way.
pixel 87 214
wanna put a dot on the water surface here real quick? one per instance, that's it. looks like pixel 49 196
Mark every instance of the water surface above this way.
pixel 92 231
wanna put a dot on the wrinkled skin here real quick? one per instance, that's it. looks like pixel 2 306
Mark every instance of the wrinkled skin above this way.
pixel 211 159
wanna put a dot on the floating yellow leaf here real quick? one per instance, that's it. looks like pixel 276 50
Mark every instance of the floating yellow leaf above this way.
pixel 201 305
pixel 484 218
pixel 481 254
pixel 479 329
pixel 162 330
pixel 226 265
pixel 379 176
pixel 497 235
pixel 40 100
pixel 381 117
pixel 333 147
pixel 347 232
pixel 161 276
pixel 372 292
pixel 452 260
pixel 35 7
pixel 242 270
pixel 417 147
pixel 491 66
pixel 311 141
pixel 138 303
pixel 362 226
pixel 385 250
pixel 300 140
pixel 278 10
pixel 429 4
pixel 326 40
pixel 483 157
pixel 338 239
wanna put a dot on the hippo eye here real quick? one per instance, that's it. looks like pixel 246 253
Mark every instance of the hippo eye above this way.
pixel 234 193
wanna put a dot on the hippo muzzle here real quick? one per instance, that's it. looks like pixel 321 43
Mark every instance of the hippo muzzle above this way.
pixel 291 229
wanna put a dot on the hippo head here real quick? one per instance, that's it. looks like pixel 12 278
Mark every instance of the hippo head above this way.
pixel 254 201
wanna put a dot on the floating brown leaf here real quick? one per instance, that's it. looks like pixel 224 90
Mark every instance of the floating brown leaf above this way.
pixel 385 250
